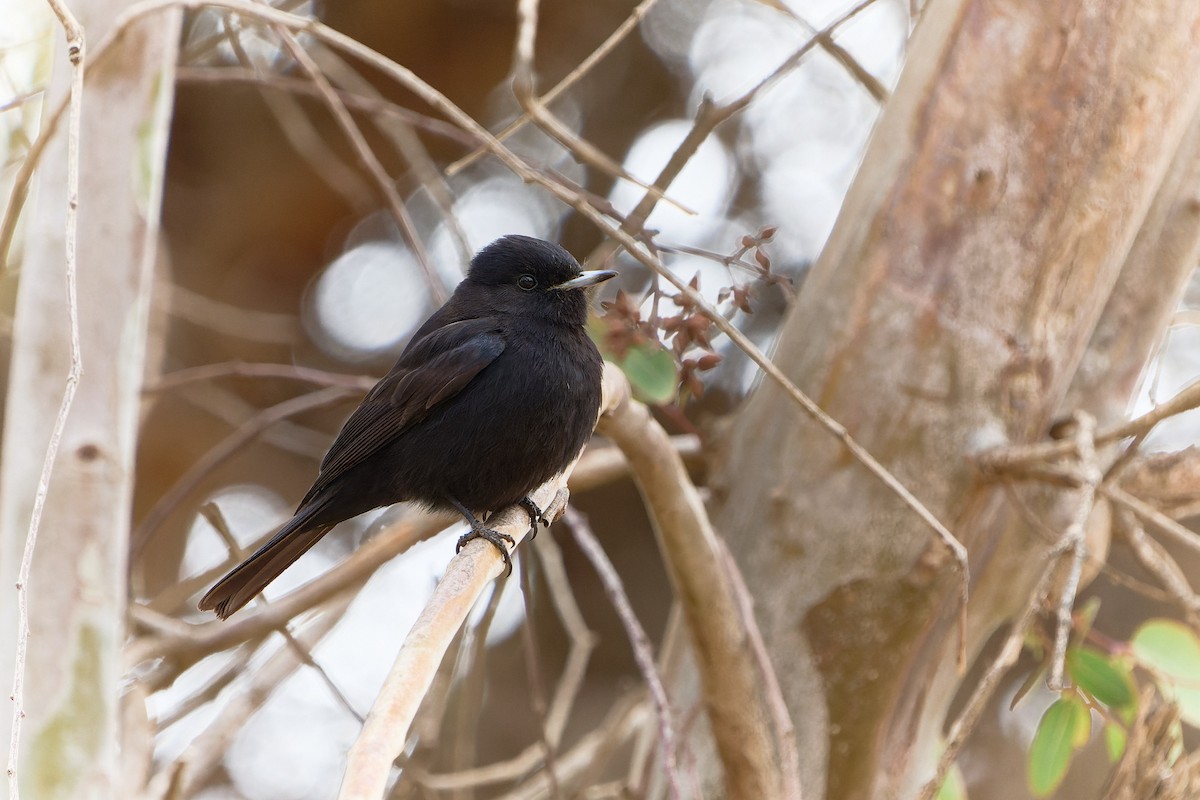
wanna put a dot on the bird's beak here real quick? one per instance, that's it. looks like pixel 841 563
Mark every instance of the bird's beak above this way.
pixel 589 278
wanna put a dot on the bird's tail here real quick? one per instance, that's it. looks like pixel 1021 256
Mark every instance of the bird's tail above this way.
pixel 251 576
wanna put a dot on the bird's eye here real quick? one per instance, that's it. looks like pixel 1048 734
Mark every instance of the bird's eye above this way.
pixel 527 282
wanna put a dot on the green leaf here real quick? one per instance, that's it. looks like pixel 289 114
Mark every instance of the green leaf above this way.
pixel 1064 728
pixel 651 372
pixel 1108 680
pixel 1171 651
pixel 1114 741
pixel 954 787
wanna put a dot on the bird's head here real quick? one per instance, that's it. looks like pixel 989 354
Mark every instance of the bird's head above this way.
pixel 533 278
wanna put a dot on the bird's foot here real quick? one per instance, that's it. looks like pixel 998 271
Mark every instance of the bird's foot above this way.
pixel 536 515
pixel 495 538
pixel 481 531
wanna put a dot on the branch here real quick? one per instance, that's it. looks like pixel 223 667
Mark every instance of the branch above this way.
pixel 739 714
pixel 1015 460
pixel 75 51
pixel 643 651
pixel 383 737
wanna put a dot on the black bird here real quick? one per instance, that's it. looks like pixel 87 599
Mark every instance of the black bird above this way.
pixel 496 393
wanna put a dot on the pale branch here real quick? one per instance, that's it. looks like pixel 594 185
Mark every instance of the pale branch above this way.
pixel 206 752
pixel 1179 533
pixel 1074 541
pixel 1017 459
pixel 643 651
pixel 1159 563
pixel 582 642
pixel 781 718
pixel 76 53
pixel 385 733
pixel 470 572
pixel 730 680
pixel 595 748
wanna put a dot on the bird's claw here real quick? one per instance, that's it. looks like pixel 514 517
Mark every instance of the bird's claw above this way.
pixel 536 515
pixel 495 538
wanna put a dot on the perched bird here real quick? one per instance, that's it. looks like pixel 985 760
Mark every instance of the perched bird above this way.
pixel 496 393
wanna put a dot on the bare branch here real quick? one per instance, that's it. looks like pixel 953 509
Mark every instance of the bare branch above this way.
pixel 1073 542
pixel 643 652
pixel 225 450
pixel 383 181
pixel 76 54
pixel 469 573
pixel 730 678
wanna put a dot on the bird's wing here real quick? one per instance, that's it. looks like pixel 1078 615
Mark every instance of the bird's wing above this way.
pixel 430 371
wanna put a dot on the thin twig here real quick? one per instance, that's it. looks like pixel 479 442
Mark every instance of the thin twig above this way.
pixel 408 145
pixel 301 133
pixel 1179 533
pixel 781 718
pixel 230 320
pixel 180 641
pixel 76 53
pixel 471 670
pixel 212 513
pixel 709 116
pixel 537 686
pixel 383 181
pixel 968 718
pixel 628 716
pixel 585 66
pixel 1155 558
pixel 228 447
pixel 1074 542
pixel 643 652
pixel 245 369
pixel 367 104
pixel 204 755
pixel 1017 459
pixel 584 151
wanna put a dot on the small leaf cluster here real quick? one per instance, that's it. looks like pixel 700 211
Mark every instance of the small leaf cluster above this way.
pixel 662 355
pixel 1103 684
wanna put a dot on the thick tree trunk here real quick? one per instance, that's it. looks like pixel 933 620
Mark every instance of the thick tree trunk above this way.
pixel 950 311
pixel 77 587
